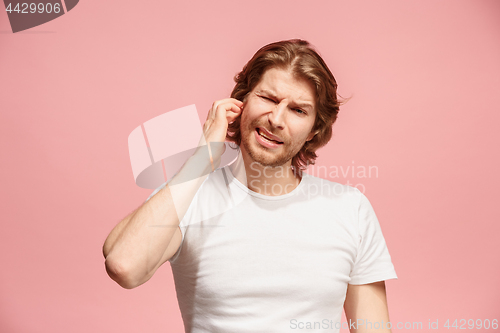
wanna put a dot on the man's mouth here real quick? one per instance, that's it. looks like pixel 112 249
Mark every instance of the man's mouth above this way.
pixel 263 136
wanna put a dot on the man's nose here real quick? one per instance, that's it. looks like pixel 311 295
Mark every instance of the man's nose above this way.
pixel 277 118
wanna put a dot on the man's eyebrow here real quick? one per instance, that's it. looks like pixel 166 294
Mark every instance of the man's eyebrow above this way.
pixel 271 93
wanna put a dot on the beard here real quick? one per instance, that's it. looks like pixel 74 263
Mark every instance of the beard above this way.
pixel 265 156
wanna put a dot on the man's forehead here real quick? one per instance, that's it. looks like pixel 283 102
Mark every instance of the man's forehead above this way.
pixel 298 99
pixel 275 78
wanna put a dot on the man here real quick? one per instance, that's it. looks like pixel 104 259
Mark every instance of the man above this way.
pixel 259 246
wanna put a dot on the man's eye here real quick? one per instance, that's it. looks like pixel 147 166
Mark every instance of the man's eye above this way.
pixel 267 98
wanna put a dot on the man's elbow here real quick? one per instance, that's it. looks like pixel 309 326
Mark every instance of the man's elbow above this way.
pixel 106 248
pixel 121 275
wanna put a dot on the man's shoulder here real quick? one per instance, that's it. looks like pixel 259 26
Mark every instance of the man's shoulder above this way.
pixel 215 181
pixel 328 188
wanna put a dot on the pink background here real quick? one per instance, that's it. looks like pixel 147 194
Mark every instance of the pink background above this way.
pixel 424 77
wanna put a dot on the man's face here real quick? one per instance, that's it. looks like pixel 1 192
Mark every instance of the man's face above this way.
pixel 280 107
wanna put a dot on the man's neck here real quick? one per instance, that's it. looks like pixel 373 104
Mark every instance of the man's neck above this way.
pixel 271 181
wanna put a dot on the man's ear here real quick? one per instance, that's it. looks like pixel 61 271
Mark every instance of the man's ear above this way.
pixel 244 101
pixel 311 135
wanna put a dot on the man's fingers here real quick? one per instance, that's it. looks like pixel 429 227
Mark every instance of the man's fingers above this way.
pixel 215 127
pixel 226 103
pixel 231 116
pixel 219 116
pixel 224 112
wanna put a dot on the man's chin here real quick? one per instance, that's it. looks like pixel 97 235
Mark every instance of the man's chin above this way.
pixel 267 158
pixel 269 164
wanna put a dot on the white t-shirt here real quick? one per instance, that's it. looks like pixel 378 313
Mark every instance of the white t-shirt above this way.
pixel 255 263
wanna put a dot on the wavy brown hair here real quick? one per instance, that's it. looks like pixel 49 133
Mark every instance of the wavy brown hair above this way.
pixel 304 62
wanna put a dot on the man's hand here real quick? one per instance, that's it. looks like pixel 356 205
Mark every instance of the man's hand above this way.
pixel 220 115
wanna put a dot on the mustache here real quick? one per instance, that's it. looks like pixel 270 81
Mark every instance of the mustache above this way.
pixel 256 123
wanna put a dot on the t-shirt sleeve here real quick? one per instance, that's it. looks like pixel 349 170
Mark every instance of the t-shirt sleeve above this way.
pixel 373 261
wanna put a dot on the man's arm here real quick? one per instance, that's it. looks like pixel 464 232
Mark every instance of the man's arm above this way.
pixel 150 235
pixel 365 304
